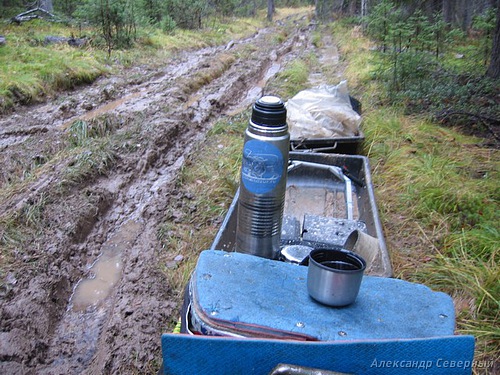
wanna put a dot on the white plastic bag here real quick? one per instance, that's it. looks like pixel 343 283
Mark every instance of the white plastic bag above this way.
pixel 322 112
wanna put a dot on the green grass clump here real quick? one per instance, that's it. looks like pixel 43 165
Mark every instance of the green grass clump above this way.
pixel 87 162
pixel 472 280
pixel 18 230
pixel 81 131
pixel 29 69
pixel 291 80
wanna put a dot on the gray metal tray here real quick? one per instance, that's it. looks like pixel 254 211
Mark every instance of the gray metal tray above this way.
pixel 322 207
pixel 338 145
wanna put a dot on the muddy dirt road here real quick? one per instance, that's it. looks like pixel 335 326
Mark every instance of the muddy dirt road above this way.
pixel 81 291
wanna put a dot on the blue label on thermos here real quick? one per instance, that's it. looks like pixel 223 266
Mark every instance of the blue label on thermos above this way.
pixel 262 166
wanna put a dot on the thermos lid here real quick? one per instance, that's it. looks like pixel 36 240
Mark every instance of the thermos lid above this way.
pixel 270 111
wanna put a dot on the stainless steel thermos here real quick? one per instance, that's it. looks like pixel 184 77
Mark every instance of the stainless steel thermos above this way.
pixel 263 179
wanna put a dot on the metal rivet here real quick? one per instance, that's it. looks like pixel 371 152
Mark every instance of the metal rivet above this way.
pixel 342 333
pixel 300 324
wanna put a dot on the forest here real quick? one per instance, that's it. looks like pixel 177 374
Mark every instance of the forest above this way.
pixel 119 19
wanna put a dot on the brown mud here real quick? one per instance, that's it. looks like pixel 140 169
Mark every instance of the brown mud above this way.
pixel 84 294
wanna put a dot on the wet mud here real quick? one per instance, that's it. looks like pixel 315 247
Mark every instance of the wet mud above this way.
pixel 88 297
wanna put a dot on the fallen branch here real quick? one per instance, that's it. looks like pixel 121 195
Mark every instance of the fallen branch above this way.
pixel 486 121
pixel 28 16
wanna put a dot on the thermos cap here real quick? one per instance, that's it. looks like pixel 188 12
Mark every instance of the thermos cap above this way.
pixel 269 111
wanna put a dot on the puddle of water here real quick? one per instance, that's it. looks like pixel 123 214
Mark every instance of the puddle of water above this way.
pixel 106 270
pixel 102 109
pixel 255 92
pixel 191 100
pixel 271 72
pixel 81 325
pixel 11 141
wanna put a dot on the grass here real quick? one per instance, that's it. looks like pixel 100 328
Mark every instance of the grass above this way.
pixel 477 297
pixel 291 79
pixel 17 231
pixel 438 194
pixel 80 131
pixel 88 162
pixel 30 70
pixel 29 218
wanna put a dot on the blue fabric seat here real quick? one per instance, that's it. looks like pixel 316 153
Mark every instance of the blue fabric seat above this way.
pixel 186 354
pixel 242 293
pixel 392 325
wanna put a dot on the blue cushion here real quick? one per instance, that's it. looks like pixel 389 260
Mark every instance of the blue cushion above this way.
pixel 266 297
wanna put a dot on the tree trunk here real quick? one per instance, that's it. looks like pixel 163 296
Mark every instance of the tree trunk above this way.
pixel 494 68
pixel 467 15
pixel 447 11
pixel 364 8
pixel 319 9
pixel 352 10
pixel 46 5
pixel 254 8
pixel 337 6
pixel 270 10
pixel 364 13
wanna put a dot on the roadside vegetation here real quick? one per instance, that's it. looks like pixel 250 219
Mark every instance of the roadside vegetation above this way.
pixel 426 66
pixel 436 175
pixel 32 69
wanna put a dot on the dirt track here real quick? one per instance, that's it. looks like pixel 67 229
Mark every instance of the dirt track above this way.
pixel 48 323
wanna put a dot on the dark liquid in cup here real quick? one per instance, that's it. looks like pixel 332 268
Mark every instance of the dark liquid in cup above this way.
pixel 340 265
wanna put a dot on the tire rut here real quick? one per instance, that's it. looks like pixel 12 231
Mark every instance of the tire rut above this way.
pixel 121 332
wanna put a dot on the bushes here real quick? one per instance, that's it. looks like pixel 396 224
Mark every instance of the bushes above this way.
pixel 428 67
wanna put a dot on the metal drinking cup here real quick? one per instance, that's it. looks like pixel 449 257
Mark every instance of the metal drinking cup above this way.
pixel 334 276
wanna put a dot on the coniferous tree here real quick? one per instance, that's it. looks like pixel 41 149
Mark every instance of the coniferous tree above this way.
pixel 494 67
